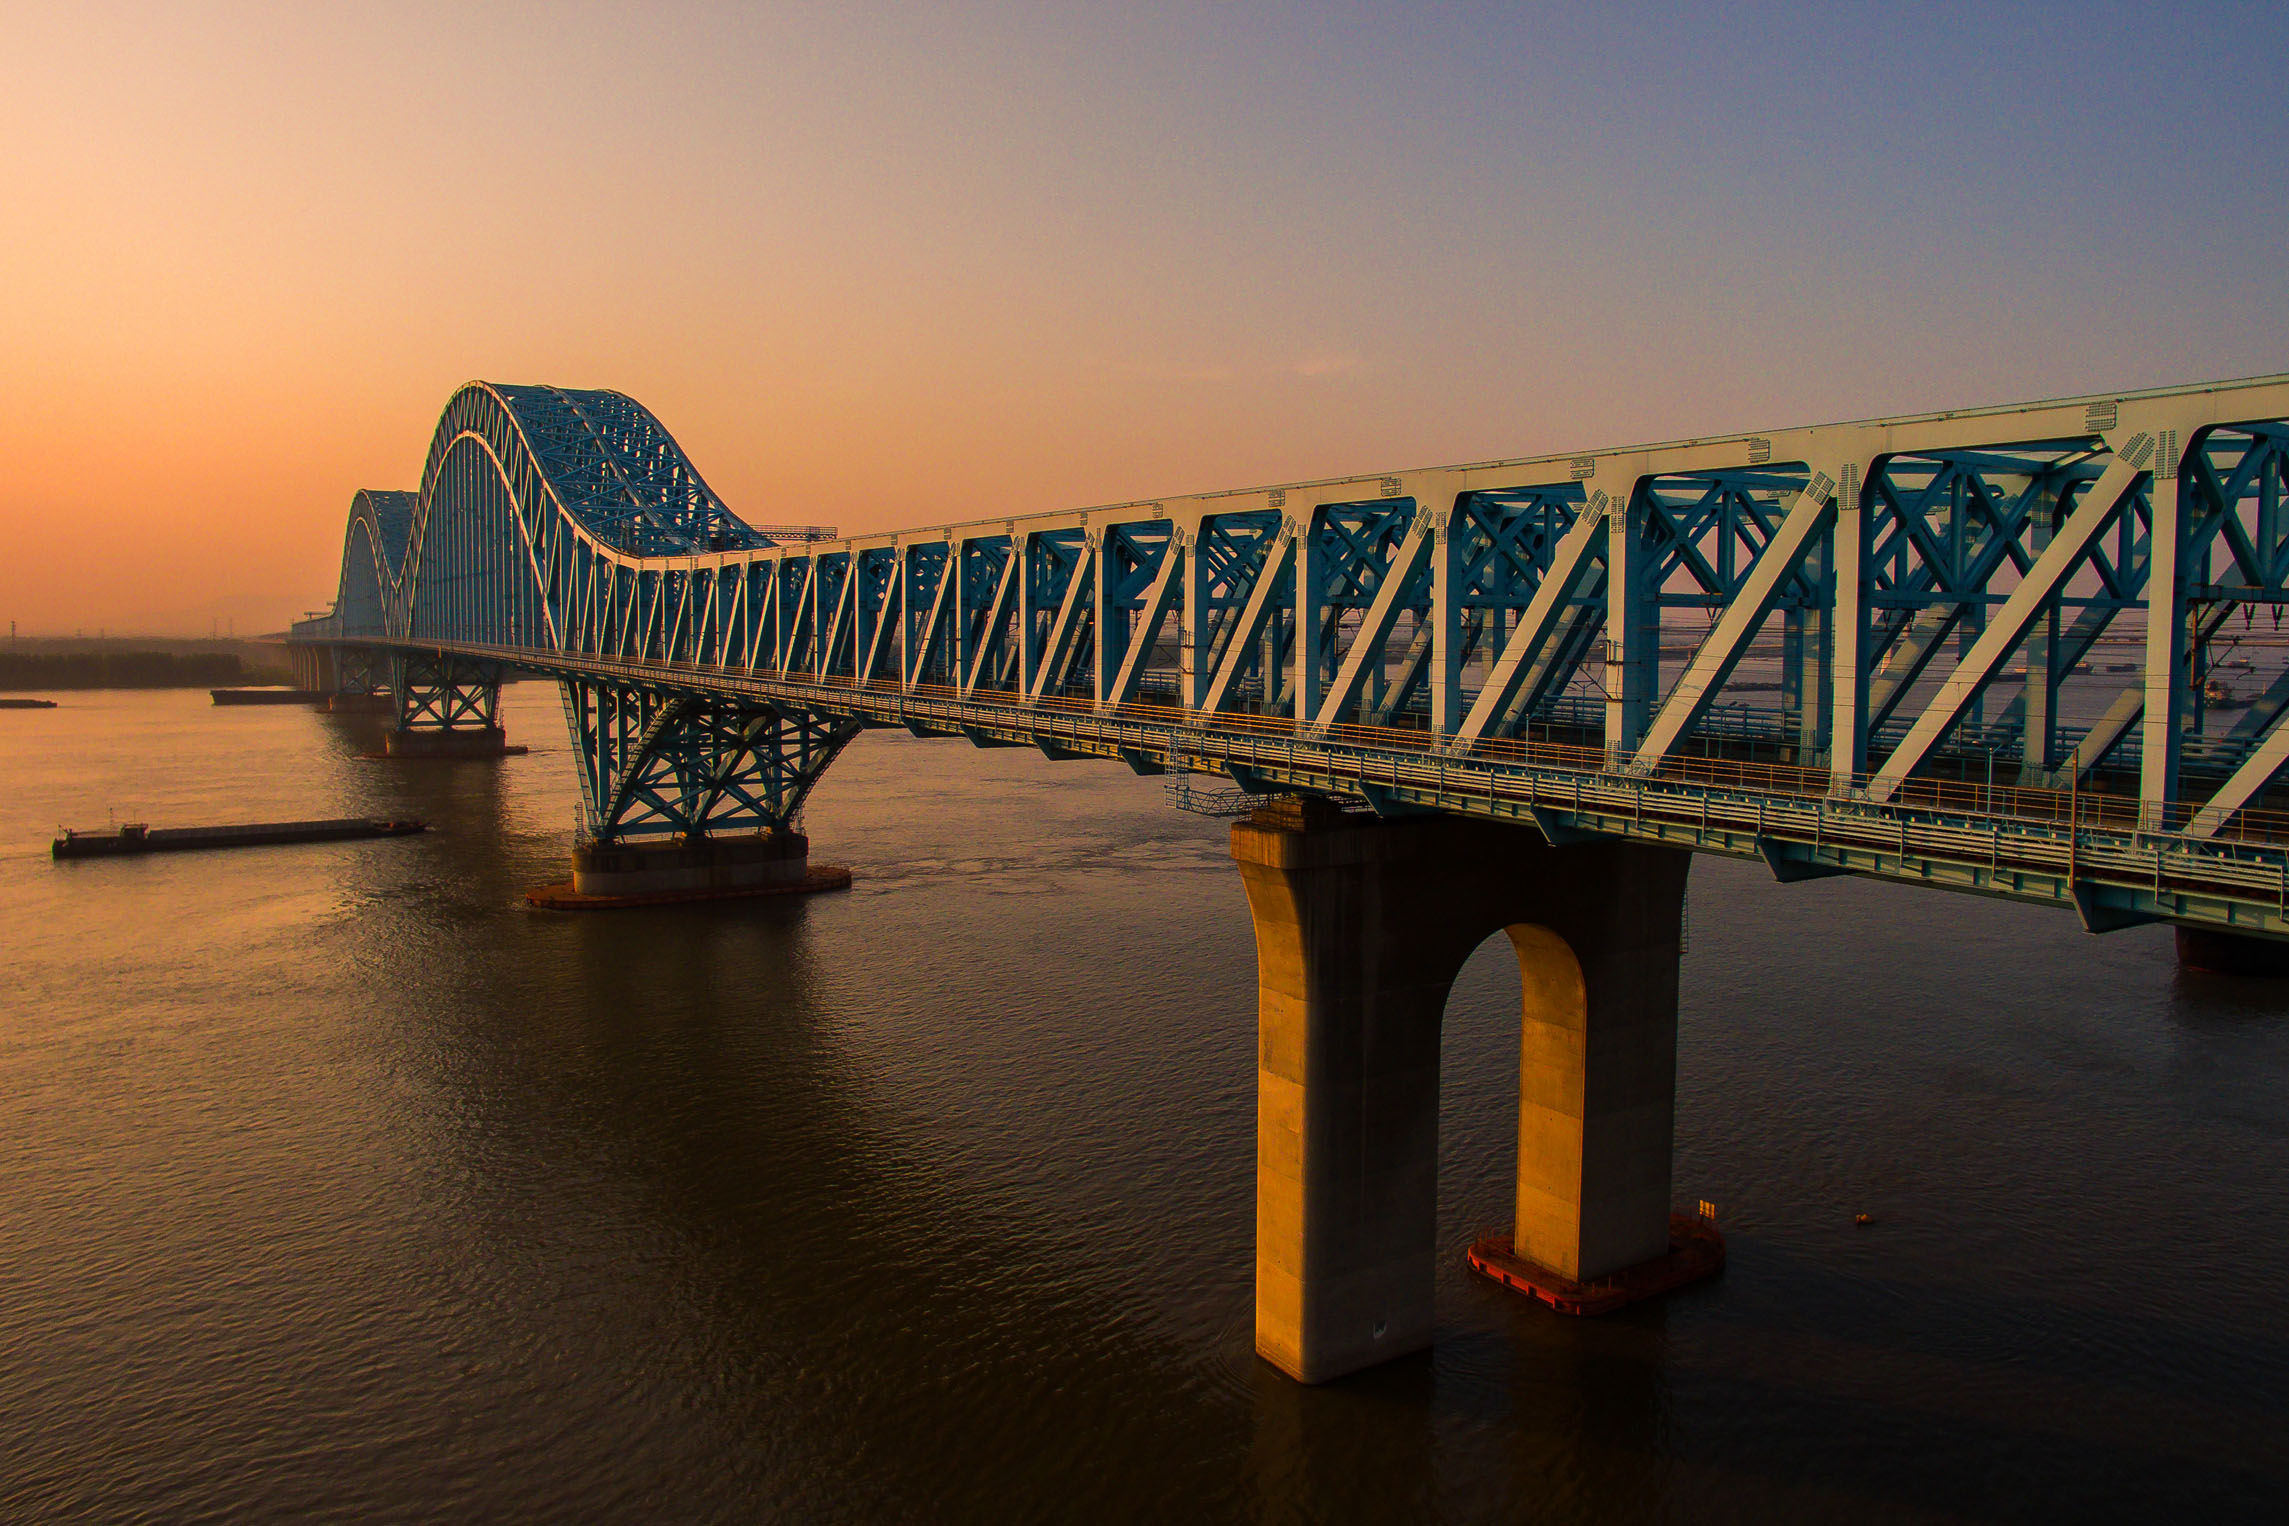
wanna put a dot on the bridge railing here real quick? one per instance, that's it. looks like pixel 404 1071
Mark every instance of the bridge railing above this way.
pixel 2031 804
pixel 2047 847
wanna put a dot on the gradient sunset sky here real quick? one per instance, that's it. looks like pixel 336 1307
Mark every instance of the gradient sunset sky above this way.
pixel 904 264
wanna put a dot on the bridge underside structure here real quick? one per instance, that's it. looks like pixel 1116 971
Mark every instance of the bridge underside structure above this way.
pixel 2026 652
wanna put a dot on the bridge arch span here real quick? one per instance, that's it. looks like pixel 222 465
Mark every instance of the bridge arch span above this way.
pixel 525 489
pixel 551 521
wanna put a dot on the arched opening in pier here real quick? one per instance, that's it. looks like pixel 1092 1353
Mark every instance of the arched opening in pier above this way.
pixel 1514 1015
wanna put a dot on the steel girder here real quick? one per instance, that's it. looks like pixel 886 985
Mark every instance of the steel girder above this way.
pixel 1926 597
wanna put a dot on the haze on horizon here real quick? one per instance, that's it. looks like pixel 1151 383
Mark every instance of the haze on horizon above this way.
pixel 875 266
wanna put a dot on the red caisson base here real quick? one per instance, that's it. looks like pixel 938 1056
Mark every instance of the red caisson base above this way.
pixel 1696 1251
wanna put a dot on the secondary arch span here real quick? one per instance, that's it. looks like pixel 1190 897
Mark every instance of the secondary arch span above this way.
pixel 373 555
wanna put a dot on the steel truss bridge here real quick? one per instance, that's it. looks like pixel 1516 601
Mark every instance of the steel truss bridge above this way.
pixel 2025 651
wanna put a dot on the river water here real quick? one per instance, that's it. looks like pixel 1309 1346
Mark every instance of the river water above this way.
pixel 335 1181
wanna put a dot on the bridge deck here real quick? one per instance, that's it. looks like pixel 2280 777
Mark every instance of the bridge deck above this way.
pixel 2065 848
pixel 2014 650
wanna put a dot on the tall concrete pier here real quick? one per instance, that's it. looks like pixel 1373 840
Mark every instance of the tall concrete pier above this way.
pixel 1361 926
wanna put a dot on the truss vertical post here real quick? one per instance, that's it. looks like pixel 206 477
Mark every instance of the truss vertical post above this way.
pixel 1446 626
pixel 2169 680
pixel 863 619
pixel 2038 745
pixel 1847 666
pixel 1109 629
pixel 958 641
pixel 1633 629
pixel 1310 580
pixel 1028 611
pixel 1195 670
pixel 1807 630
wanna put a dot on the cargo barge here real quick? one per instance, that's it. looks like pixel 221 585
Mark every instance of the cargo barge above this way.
pixel 137 837
pixel 27 704
pixel 269 696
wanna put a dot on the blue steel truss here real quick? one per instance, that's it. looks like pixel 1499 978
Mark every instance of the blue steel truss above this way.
pixel 656 763
pixel 2027 651
pixel 445 691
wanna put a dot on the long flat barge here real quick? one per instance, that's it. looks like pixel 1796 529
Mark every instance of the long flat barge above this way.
pixel 268 696
pixel 137 837
pixel 27 704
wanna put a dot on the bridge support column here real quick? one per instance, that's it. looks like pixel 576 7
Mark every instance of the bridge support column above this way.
pixel 1361 926
pixel 2222 953
pixel 313 667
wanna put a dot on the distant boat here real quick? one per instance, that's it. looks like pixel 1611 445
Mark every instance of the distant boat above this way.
pixel 27 704
pixel 268 696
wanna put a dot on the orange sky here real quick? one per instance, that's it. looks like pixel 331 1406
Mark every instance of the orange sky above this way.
pixel 875 270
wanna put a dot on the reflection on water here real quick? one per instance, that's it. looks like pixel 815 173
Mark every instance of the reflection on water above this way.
pixel 335 1179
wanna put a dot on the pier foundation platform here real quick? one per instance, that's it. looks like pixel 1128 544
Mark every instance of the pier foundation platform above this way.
pixel 1361 926
pixel 459 742
pixel 610 874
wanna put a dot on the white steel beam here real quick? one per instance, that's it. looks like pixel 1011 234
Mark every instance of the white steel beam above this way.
pixel 1847 679
pixel 791 621
pixel 1311 573
pixel 1104 571
pixel 1193 654
pixel 1928 630
pixel 1407 670
pixel 766 613
pixel 1632 626
pixel 1444 675
pixel 2169 668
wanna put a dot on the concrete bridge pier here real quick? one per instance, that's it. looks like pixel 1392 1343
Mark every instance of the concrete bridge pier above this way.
pixel 445 742
pixel 692 865
pixel 313 667
pixel 2221 953
pixel 1361 926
